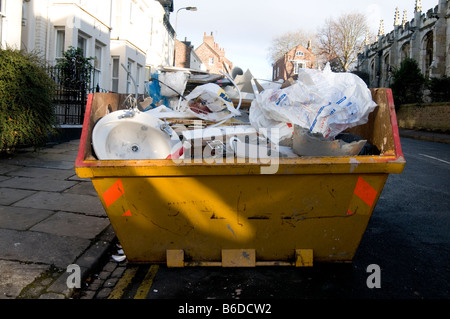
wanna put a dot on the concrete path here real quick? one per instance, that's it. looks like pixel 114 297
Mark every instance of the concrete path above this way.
pixel 49 219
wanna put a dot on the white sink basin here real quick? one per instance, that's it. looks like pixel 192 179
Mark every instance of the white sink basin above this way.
pixel 128 134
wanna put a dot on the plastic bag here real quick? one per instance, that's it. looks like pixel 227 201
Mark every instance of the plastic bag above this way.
pixel 321 101
pixel 154 91
pixel 259 120
pixel 209 102
pixel 174 83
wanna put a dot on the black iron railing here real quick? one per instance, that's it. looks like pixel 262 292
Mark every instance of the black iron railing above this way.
pixel 70 103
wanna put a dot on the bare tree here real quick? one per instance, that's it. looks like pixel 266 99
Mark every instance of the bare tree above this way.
pixel 282 44
pixel 341 39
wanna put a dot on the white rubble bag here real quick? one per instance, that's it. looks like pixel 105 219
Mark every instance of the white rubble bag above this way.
pixel 174 83
pixel 323 102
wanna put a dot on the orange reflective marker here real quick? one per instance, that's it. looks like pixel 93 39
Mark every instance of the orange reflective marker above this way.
pixel 127 213
pixel 366 192
pixel 113 193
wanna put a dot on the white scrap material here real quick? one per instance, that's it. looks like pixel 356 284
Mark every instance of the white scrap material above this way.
pixel 163 111
pixel 119 258
pixel 323 102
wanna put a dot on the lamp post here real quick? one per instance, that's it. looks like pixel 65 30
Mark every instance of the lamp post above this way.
pixel 176 17
pixel 176 23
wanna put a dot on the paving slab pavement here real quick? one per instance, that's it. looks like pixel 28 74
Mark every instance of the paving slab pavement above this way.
pixel 49 219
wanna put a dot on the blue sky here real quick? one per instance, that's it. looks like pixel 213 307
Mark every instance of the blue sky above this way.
pixel 245 28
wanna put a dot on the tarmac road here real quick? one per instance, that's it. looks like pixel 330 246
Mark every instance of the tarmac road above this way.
pixel 407 241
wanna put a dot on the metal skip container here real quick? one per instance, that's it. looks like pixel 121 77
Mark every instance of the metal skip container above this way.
pixel 312 209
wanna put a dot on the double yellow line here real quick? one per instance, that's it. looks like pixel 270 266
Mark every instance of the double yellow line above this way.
pixel 126 279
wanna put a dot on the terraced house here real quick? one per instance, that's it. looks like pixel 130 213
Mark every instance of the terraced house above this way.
pixel 133 33
pixel 289 64
pixel 213 56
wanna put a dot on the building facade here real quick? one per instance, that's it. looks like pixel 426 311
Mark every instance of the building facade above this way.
pixel 10 20
pixel 142 41
pixel 185 56
pixel 426 39
pixel 133 33
pixel 213 56
pixel 297 58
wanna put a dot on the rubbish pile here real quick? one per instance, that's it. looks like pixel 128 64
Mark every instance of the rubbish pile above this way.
pixel 199 115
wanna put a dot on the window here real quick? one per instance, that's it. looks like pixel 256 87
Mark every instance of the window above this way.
pixel 428 49
pixel 298 65
pixel 82 44
pixel 211 61
pixel 138 76
pixel 405 51
pixel 151 31
pixel 130 66
pixel 98 56
pixel 115 74
pixel 131 11
pixel 97 65
pixel 299 53
pixel 60 39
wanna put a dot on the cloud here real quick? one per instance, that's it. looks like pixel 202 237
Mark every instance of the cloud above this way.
pixel 373 13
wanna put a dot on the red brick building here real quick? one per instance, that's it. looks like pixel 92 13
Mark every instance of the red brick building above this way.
pixel 212 56
pixel 182 54
pixel 185 56
pixel 288 65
